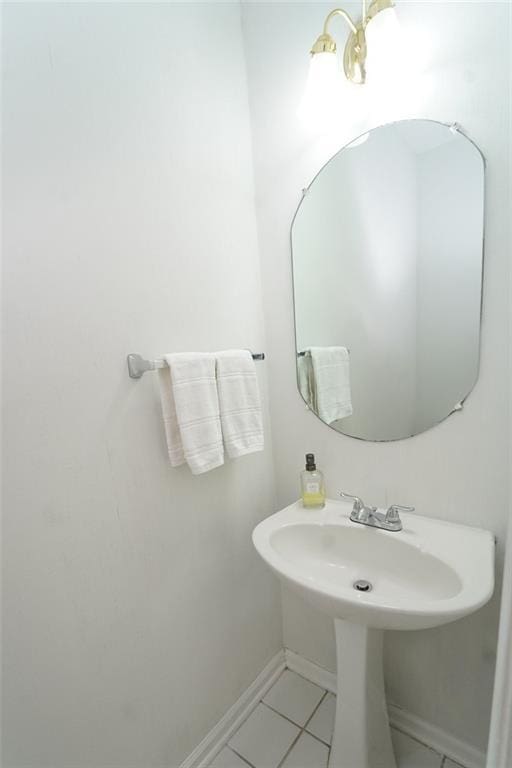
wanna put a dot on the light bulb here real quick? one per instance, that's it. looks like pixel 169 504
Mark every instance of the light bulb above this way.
pixel 321 101
pixel 386 56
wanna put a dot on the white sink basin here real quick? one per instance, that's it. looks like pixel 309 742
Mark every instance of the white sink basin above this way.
pixel 428 574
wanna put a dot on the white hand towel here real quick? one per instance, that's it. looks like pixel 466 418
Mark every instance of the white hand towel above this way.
pixel 331 367
pixel 172 430
pixel 197 410
pixel 240 408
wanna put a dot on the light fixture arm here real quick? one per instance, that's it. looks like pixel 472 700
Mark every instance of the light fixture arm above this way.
pixel 344 15
pixel 368 13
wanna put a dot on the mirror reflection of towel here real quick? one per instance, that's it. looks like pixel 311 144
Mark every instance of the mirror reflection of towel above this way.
pixel 306 379
pixel 324 382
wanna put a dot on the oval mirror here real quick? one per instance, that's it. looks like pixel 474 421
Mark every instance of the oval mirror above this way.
pixel 387 251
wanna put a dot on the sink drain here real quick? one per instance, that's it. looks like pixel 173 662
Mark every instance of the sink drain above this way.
pixel 362 585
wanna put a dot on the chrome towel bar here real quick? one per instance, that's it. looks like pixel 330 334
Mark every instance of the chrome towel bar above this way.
pixel 137 365
pixel 307 353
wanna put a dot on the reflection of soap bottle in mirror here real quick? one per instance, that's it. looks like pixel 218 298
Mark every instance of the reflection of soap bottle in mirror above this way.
pixel 312 485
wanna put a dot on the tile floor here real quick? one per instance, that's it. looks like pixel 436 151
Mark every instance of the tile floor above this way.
pixel 292 728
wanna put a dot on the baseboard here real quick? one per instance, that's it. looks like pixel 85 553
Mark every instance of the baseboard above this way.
pixel 220 734
pixel 434 737
pixel 311 671
pixel 401 719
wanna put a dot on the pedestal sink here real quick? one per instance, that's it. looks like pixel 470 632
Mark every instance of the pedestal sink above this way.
pixel 430 573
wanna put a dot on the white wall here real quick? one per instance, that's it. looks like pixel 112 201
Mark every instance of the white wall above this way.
pixel 456 470
pixel 135 608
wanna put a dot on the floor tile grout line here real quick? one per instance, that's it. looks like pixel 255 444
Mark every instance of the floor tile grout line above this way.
pixel 302 727
pixel 240 756
pixel 276 711
pixel 298 674
pixel 302 730
pixel 314 711
pixel 309 733
pixel 326 693
pixel 289 749
pixel 423 744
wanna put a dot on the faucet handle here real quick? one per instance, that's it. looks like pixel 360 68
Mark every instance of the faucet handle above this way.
pixel 392 514
pixel 358 503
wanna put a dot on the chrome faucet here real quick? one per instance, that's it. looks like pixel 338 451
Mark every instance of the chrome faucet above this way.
pixel 388 521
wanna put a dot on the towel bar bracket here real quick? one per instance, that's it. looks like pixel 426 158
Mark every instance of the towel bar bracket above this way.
pixel 137 365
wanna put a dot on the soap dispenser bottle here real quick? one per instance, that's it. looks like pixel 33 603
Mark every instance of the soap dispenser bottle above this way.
pixel 312 485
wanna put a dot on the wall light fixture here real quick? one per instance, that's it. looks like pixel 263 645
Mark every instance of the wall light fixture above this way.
pixel 380 13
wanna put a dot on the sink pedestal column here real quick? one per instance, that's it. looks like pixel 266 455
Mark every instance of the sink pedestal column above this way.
pixel 362 738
